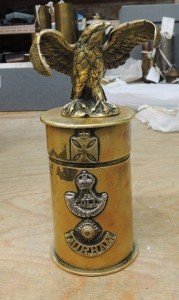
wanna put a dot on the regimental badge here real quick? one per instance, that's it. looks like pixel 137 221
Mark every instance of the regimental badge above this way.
pixel 84 147
pixel 88 239
pixel 86 202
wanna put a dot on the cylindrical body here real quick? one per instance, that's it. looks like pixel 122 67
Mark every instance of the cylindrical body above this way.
pixel 167 47
pixel 91 192
pixel 44 17
pixel 146 48
pixel 64 20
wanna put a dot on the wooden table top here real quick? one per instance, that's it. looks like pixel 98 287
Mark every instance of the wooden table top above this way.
pixel 26 269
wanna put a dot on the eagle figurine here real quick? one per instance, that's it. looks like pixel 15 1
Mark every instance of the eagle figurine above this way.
pixel 86 61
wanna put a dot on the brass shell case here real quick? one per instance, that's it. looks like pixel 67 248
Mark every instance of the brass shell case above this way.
pixel 44 17
pixel 105 157
pixel 64 20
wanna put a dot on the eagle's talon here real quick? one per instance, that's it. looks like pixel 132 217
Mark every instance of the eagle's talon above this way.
pixel 95 107
pixel 104 109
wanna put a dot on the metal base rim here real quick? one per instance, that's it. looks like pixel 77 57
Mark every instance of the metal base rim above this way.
pixel 100 272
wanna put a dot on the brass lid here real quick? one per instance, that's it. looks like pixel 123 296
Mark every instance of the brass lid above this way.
pixel 54 118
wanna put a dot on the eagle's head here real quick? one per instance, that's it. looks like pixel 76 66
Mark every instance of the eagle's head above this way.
pixel 93 33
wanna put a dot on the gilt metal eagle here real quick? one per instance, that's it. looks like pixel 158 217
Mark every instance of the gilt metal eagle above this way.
pixel 86 61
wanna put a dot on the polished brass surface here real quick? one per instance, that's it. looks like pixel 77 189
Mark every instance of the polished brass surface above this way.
pixel 118 267
pixel 89 160
pixel 59 149
pixel 54 118
pixel 43 20
pixel 64 20
pixel 116 217
pixel 87 60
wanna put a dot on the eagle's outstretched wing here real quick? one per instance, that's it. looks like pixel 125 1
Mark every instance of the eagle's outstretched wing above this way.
pixel 125 37
pixel 49 49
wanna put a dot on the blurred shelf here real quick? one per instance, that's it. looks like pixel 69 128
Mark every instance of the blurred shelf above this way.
pixel 17 29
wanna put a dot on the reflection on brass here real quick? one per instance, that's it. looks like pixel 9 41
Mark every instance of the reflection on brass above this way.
pixel 53 118
pixel 43 18
pixel 64 20
pixel 81 240
pixel 86 61
pixel 98 272
pixel 86 202
pixel 146 48
pixel 84 147
pixel 88 240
